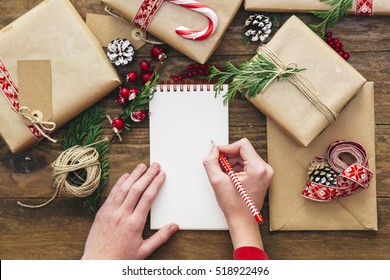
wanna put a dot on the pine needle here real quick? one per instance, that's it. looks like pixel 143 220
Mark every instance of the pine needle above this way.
pixel 86 129
pixel 249 78
pixel 331 17
pixel 141 102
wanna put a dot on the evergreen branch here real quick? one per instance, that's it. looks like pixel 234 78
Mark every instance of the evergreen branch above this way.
pixel 141 102
pixel 250 78
pixel 331 17
pixel 86 129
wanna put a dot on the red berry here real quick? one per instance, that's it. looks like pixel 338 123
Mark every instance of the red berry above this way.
pixel 336 40
pixel 341 53
pixel 331 44
pixel 131 77
pixel 145 77
pixel 328 40
pixel 124 92
pixel 346 55
pixel 133 94
pixel 190 67
pixel 117 125
pixel 144 65
pixel 156 52
pixel 338 47
pixel 328 34
pixel 120 100
pixel 138 116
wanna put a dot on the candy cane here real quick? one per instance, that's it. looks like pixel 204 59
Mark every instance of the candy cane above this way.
pixel 202 9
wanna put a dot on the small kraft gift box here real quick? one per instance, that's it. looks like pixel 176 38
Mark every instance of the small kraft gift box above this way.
pixel 52 69
pixel 305 103
pixel 194 28
pixel 359 7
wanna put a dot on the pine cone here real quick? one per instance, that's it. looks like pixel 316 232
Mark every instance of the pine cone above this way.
pixel 258 27
pixel 321 172
pixel 120 52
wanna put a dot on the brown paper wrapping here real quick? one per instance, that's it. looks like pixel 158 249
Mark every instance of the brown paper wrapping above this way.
pixel 334 79
pixel 288 209
pixel 171 16
pixel 381 7
pixel 108 28
pixel 81 73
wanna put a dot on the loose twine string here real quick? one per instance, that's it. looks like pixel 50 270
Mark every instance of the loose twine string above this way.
pixel 304 85
pixel 77 158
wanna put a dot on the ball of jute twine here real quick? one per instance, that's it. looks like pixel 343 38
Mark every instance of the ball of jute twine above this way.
pixel 76 173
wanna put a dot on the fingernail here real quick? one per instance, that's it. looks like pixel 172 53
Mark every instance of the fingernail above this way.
pixel 173 227
pixel 141 166
pixel 154 165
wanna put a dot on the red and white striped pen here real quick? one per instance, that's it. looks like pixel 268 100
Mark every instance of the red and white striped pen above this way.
pixel 240 188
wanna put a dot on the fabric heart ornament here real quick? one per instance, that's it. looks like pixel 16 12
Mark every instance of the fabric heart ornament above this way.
pixel 330 178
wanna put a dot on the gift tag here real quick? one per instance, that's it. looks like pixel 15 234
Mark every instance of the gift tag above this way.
pixel 108 28
pixel 35 87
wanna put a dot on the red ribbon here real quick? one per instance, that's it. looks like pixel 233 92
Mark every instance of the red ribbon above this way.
pixel 11 93
pixel 364 7
pixel 350 178
pixel 145 13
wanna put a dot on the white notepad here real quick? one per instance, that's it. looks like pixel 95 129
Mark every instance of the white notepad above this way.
pixel 183 121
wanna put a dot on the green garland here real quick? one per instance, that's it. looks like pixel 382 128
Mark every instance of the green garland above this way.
pixel 86 129
pixel 249 78
pixel 331 17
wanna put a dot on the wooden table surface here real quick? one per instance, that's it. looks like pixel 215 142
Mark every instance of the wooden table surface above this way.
pixel 59 230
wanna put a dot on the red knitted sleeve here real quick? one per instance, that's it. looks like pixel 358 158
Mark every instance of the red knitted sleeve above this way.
pixel 249 253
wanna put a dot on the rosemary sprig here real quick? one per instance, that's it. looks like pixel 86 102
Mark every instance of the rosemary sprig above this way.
pixel 249 78
pixel 86 129
pixel 142 100
pixel 332 16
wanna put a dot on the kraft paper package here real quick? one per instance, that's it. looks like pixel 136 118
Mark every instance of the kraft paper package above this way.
pixel 78 73
pixel 288 209
pixel 379 7
pixel 334 81
pixel 170 16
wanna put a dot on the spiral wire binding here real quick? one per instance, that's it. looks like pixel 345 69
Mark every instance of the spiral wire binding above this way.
pixel 185 85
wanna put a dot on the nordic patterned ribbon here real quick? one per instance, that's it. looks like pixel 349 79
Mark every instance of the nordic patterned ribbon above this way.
pixel 37 127
pixel 364 7
pixel 330 178
pixel 148 9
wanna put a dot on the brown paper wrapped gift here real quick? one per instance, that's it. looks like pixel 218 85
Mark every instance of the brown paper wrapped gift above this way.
pixel 333 80
pixel 80 71
pixel 380 7
pixel 171 16
pixel 288 209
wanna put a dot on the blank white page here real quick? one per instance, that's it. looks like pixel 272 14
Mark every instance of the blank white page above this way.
pixel 182 125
